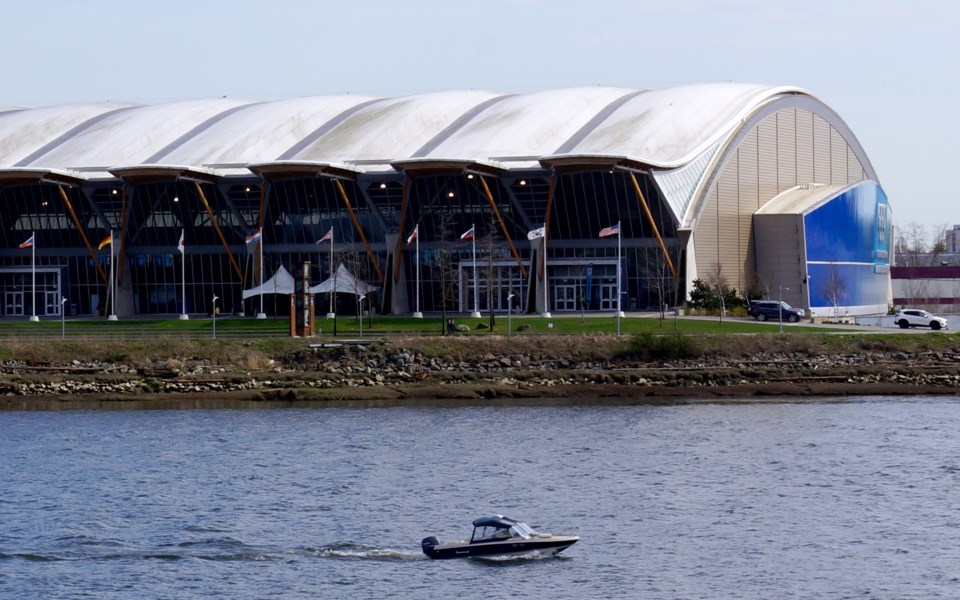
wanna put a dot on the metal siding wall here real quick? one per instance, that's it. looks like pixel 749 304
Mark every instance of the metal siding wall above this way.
pixel 778 249
pixel 750 202
pixel 854 168
pixel 705 238
pixel 767 159
pixel 728 225
pixel 805 153
pixel 838 158
pixel 786 149
pixel 821 150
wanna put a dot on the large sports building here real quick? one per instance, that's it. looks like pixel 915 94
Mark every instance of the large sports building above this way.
pixel 756 186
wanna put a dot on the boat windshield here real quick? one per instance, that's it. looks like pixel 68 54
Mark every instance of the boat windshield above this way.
pixel 521 530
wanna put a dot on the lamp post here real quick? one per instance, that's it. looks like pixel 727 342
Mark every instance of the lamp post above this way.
pixel 361 314
pixel 215 298
pixel 63 320
pixel 781 306
pixel 509 314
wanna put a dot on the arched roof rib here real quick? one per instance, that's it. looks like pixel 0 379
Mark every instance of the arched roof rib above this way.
pixel 257 132
pixel 131 137
pixel 391 129
pixel 524 127
pixel 23 133
pixel 671 127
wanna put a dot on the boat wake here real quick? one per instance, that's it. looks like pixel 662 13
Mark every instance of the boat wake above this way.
pixel 351 550
pixel 217 549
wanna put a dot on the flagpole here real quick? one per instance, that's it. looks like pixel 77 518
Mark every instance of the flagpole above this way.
pixel 476 295
pixel 416 236
pixel 332 314
pixel 183 276
pixel 113 284
pixel 33 274
pixel 261 314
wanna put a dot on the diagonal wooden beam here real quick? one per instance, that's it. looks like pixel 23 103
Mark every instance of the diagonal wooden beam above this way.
pixel 123 234
pixel 403 234
pixel 356 225
pixel 216 227
pixel 83 234
pixel 653 224
pixel 503 226
pixel 546 224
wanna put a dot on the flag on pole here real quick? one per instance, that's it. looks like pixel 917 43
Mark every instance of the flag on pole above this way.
pixel 612 230
pixel 254 237
pixel 467 235
pixel 106 241
pixel 181 246
pixel 413 235
pixel 327 236
pixel 29 242
pixel 537 233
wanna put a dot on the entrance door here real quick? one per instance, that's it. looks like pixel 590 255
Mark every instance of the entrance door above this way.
pixel 13 304
pixel 565 297
pixel 51 302
pixel 608 296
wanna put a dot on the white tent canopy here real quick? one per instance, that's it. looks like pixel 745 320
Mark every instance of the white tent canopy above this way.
pixel 343 282
pixel 282 282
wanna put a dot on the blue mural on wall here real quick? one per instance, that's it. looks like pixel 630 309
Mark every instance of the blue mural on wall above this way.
pixel 848 247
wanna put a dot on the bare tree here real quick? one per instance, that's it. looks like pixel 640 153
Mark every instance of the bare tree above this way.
pixel 449 284
pixel 938 243
pixel 834 290
pixel 910 243
pixel 718 283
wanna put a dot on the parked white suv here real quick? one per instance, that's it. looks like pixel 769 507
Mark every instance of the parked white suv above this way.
pixel 912 317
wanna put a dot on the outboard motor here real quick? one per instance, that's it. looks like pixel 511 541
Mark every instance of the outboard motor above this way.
pixel 428 545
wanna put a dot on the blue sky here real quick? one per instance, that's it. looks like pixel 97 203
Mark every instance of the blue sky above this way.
pixel 886 67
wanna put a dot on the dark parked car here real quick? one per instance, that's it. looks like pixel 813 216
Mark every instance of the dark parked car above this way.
pixel 763 310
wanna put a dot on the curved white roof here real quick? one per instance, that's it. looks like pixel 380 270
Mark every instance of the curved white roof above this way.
pixel 26 132
pixel 667 128
pixel 670 127
pixel 391 129
pixel 527 126
pixel 131 137
pixel 259 131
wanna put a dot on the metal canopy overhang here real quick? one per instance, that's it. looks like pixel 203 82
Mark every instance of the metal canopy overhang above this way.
pixel 593 162
pixel 143 173
pixel 21 175
pixel 301 168
pixel 427 166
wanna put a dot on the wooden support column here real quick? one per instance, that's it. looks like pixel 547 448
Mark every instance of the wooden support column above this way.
pixel 503 226
pixel 123 234
pixel 546 224
pixel 216 227
pixel 356 225
pixel 653 224
pixel 403 234
pixel 83 234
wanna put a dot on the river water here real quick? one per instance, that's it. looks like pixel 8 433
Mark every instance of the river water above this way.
pixel 853 498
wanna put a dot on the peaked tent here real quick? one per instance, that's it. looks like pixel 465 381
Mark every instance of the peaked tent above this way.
pixel 282 282
pixel 345 283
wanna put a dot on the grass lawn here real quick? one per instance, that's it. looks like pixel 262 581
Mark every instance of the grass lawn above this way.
pixel 380 326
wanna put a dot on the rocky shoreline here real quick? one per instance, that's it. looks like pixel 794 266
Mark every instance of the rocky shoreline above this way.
pixel 400 374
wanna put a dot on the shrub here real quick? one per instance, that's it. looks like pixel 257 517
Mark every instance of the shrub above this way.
pixel 650 347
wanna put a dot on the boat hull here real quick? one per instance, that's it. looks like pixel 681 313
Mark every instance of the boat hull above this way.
pixel 542 546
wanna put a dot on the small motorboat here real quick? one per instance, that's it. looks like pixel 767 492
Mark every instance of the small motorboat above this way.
pixel 499 536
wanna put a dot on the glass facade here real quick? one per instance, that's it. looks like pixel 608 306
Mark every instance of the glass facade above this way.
pixel 215 218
